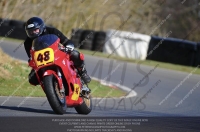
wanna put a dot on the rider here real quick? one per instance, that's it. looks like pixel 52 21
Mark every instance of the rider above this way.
pixel 35 27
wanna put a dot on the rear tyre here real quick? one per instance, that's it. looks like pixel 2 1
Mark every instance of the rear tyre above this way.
pixel 51 88
pixel 86 107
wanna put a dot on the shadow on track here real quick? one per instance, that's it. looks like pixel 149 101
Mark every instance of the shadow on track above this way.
pixel 26 109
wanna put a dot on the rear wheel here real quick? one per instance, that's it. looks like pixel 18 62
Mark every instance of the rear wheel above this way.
pixel 56 98
pixel 86 106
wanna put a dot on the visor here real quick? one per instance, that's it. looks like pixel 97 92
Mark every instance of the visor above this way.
pixel 33 32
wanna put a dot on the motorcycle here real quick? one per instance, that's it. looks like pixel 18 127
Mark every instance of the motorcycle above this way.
pixel 58 77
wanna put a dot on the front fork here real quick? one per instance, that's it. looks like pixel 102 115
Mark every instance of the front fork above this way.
pixel 62 89
pixel 61 93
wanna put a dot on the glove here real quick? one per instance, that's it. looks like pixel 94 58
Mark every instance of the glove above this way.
pixel 69 48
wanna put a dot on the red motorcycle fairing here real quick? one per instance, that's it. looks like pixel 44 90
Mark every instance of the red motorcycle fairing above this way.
pixel 52 56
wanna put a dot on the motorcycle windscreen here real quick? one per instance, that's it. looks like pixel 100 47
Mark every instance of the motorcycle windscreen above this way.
pixel 43 41
pixel 44 55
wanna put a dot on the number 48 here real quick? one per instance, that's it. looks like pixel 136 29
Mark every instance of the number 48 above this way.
pixel 44 56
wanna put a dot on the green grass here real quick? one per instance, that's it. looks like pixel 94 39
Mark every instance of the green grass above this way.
pixel 98 90
pixel 17 84
pixel 10 39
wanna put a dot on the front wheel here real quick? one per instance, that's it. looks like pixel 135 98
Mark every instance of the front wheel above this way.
pixel 55 98
pixel 85 107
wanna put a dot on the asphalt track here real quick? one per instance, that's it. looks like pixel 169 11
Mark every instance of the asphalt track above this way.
pixel 160 92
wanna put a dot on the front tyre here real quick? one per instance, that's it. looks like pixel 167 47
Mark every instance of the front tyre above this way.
pixel 51 88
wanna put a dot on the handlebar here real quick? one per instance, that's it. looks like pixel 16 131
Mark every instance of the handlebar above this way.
pixel 61 47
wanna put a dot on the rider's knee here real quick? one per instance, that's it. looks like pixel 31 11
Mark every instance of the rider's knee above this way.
pixel 77 58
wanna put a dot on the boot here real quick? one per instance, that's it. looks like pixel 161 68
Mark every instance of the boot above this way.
pixel 83 73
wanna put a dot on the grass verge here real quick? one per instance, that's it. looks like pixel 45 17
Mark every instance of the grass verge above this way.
pixel 14 81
